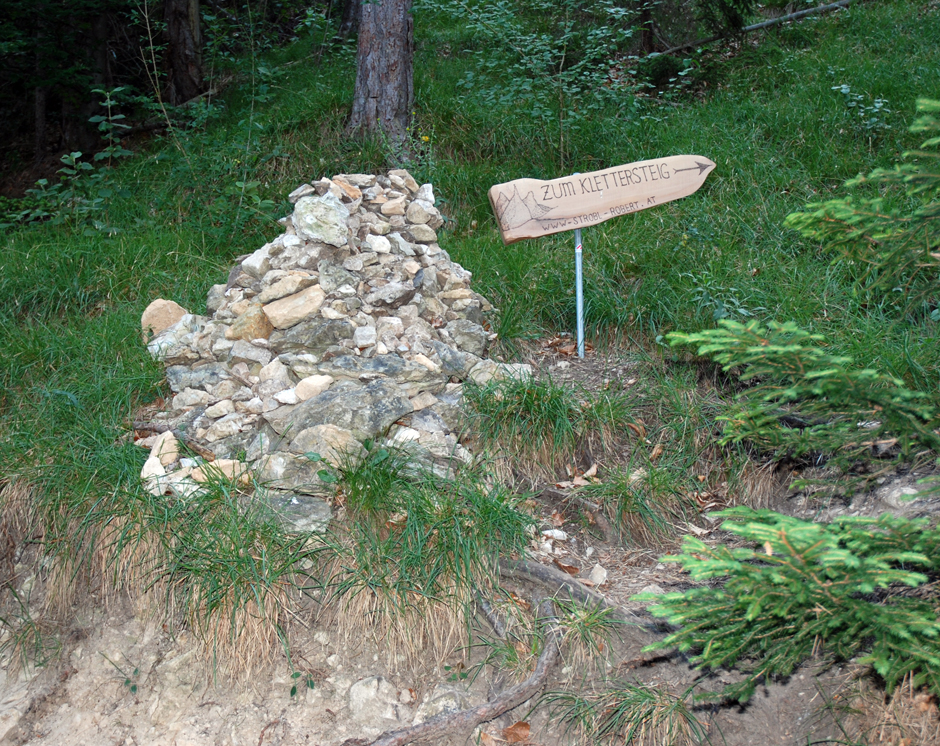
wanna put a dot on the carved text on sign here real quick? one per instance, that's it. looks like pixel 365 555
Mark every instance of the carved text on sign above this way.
pixel 529 208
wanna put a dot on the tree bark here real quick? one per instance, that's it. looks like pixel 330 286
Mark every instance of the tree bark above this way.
pixel 184 50
pixel 352 12
pixel 384 78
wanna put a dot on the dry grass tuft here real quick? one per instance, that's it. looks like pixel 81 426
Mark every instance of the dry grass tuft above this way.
pixel 534 427
pixel 759 484
pixel 17 511
pixel 634 713
pixel 415 632
pixel 242 637
pixel 909 717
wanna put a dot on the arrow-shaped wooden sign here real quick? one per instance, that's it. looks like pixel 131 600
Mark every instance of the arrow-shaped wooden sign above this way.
pixel 529 208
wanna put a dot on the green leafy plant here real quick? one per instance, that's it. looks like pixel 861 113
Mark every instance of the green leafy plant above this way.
pixel 894 248
pixel 805 400
pixel 301 678
pixel 129 680
pixel 85 189
pixel 805 589
pixel 548 60
pixel 722 302
pixel 871 116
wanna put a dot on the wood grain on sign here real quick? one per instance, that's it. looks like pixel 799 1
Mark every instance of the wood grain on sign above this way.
pixel 529 208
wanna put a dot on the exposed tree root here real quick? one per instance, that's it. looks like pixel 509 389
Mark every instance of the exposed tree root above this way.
pixel 558 581
pixel 491 616
pixel 611 535
pixel 466 720
pixel 636 629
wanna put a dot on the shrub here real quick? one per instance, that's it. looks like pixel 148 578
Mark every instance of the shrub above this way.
pixel 807 589
pixel 808 401
pixel 895 248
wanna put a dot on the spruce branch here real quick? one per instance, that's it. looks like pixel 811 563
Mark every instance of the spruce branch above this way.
pixel 807 588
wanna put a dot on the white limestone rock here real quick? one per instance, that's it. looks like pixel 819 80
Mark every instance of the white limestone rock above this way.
pixel 322 218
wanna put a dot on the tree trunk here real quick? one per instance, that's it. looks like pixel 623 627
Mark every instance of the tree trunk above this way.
pixel 39 102
pixel 183 51
pixel 384 85
pixel 352 12
pixel 39 131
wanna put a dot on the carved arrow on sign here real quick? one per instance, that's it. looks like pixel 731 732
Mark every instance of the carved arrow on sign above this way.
pixel 529 208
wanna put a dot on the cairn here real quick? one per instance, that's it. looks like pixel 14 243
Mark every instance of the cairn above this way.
pixel 352 327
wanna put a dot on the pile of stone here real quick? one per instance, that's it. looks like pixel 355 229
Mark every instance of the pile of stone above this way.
pixel 351 327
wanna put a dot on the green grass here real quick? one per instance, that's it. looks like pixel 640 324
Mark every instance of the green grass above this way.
pixel 74 370
pixel 418 548
pixel 539 427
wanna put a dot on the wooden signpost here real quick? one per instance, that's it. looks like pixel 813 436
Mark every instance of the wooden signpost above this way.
pixel 530 208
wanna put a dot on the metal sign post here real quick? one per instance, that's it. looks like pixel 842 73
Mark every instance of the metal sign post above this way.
pixel 579 289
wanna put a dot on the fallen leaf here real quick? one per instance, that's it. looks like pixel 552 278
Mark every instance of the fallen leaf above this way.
pixel 519 601
pixel 696 530
pixel 580 482
pixel 568 349
pixel 487 740
pixel 925 703
pixel 558 520
pixel 565 485
pixel 701 477
pixel 592 472
pixel 570 569
pixel 630 382
pixel 396 519
pixel 657 451
pixel 636 476
pixel 638 429
pixel 517 732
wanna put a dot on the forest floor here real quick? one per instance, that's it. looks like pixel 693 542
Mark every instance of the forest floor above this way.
pixel 122 677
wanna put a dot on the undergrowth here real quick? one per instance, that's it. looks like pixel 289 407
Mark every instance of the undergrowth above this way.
pixel 537 426
pixel 415 550
pixel 843 590
pixel 773 116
